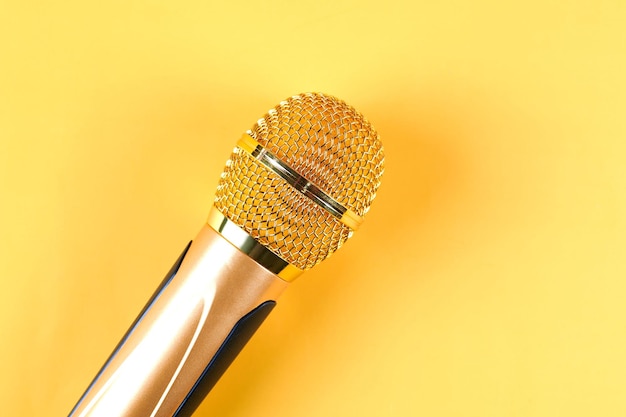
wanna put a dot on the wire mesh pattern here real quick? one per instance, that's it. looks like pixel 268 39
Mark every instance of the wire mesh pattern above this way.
pixel 329 143
pixel 326 141
pixel 275 214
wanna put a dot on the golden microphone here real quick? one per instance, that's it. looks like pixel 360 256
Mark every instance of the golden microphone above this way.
pixel 295 188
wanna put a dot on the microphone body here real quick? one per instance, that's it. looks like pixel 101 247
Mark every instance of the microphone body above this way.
pixel 294 190
pixel 212 300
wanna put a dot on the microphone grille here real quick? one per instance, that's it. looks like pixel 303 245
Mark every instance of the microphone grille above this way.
pixel 327 142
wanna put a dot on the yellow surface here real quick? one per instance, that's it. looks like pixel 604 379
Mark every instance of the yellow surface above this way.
pixel 489 278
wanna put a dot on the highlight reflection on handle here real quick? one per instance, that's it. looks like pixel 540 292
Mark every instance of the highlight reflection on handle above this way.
pixel 164 365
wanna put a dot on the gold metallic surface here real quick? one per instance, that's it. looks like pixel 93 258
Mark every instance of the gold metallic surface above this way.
pixel 159 363
pixel 276 214
pixel 300 183
pixel 245 243
pixel 323 140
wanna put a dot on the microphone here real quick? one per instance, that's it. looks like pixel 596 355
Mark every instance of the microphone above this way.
pixel 295 188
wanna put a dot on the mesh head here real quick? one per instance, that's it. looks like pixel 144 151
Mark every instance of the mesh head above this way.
pixel 324 140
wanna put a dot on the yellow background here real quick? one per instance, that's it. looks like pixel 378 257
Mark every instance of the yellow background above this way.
pixel 489 278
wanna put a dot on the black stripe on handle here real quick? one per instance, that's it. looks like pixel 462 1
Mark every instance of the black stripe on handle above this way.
pixel 230 348
pixel 170 275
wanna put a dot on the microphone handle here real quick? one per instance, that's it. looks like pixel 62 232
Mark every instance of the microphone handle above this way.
pixel 205 310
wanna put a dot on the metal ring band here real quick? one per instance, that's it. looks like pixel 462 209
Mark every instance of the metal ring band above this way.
pixel 300 183
pixel 251 247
